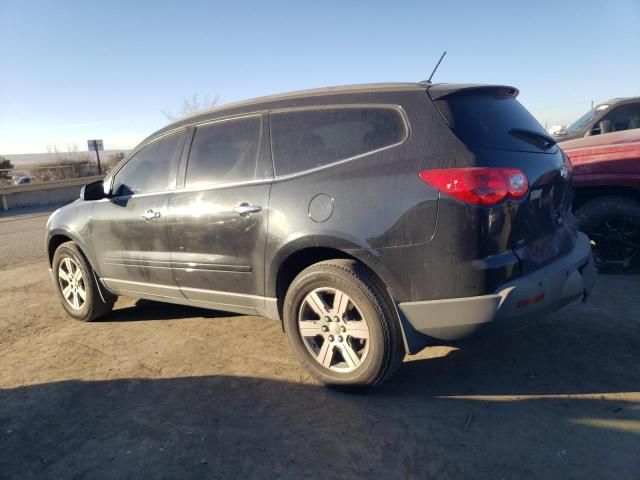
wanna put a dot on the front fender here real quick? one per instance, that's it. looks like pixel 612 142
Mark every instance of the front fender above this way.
pixel 72 221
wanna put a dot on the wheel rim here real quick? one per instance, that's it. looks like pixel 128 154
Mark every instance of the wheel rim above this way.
pixel 616 243
pixel 334 330
pixel 72 283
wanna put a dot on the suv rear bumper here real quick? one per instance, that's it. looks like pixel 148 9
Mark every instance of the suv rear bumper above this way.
pixel 514 303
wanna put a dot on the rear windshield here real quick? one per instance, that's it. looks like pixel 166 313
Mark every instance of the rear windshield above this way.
pixel 486 120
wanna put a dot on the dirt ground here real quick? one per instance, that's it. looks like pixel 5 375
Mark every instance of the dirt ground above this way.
pixel 160 391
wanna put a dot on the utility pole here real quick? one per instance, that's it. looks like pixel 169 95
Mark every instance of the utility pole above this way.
pixel 98 157
pixel 96 145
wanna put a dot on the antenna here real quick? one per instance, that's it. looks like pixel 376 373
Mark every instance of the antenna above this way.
pixel 436 67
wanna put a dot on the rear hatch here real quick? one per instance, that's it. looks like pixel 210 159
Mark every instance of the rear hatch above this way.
pixel 501 133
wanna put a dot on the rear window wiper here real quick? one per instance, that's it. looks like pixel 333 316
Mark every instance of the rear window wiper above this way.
pixel 537 138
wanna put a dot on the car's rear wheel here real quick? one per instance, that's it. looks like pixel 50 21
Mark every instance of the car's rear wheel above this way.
pixel 613 227
pixel 342 326
pixel 76 285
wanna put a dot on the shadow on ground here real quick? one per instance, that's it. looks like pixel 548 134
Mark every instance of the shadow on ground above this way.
pixel 556 400
pixel 145 310
pixel 463 415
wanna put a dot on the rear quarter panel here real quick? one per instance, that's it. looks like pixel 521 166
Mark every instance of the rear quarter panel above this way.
pixel 378 199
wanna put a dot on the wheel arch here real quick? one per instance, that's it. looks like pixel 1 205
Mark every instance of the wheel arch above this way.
pixel 296 261
pixel 57 237
pixel 294 256
pixel 54 242
pixel 585 194
pixel 291 263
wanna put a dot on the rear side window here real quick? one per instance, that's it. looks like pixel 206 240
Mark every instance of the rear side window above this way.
pixel 306 139
pixel 224 152
pixel 486 121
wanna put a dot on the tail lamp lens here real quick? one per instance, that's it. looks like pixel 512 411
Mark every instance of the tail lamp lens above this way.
pixel 479 186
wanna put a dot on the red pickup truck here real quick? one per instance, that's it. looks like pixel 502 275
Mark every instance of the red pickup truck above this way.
pixel 606 181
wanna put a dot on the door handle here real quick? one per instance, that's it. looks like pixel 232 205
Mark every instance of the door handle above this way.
pixel 246 209
pixel 150 215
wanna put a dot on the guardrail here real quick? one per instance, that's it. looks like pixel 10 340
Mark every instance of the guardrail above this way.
pixel 43 193
pixel 52 172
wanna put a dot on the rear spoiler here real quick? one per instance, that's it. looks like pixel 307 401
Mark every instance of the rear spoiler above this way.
pixel 441 90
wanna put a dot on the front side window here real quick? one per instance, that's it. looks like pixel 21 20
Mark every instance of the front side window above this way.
pixel 306 139
pixel 586 119
pixel 152 169
pixel 625 117
pixel 226 152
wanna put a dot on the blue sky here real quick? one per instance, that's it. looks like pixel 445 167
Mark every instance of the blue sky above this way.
pixel 73 70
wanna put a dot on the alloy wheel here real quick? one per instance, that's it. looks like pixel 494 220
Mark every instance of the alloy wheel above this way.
pixel 333 329
pixel 616 244
pixel 72 283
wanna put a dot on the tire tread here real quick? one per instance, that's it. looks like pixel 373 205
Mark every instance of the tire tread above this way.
pixel 373 288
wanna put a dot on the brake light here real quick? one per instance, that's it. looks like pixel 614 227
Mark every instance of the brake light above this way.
pixel 479 185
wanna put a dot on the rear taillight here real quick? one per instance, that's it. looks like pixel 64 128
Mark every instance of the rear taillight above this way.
pixel 480 185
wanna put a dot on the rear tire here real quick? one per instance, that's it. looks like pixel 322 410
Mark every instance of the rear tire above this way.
pixel 360 345
pixel 613 227
pixel 76 285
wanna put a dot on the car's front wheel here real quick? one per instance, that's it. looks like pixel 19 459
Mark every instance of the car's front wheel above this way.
pixel 76 285
pixel 342 326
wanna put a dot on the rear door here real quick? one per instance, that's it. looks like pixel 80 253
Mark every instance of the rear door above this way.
pixel 502 133
pixel 128 230
pixel 217 224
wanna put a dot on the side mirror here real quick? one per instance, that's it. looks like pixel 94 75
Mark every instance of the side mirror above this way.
pixel 93 191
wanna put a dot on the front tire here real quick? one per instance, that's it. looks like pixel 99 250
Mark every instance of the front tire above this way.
pixel 613 227
pixel 342 326
pixel 76 285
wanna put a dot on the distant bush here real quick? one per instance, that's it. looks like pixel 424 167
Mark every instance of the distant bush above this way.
pixel 5 176
pixel 63 169
pixel 113 160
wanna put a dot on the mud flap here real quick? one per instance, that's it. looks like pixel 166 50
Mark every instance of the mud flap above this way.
pixel 414 341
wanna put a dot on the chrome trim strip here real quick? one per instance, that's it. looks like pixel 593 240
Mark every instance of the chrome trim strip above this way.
pixel 314 92
pixel 126 159
pixel 277 178
pixel 196 267
pixel 176 288
pixel 136 265
pixel 334 164
pixel 211 299
pixel 194 303
pixel 218 292
pixel 226 119
pixel 380 106
pixel 216 268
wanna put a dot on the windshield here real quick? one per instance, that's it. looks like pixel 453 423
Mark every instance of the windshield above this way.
pixel 489 121
pixel 585 119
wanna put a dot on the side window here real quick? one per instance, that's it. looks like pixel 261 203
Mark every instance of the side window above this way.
pixel 228 151
pixel 634 118
pixel 306 139
pixel 152 169
pixel 625 117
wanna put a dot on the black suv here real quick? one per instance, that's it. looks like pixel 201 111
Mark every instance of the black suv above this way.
pixel 372 220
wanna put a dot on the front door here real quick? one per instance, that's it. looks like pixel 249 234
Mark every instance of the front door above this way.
pixel 129 229
pixel 217 225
